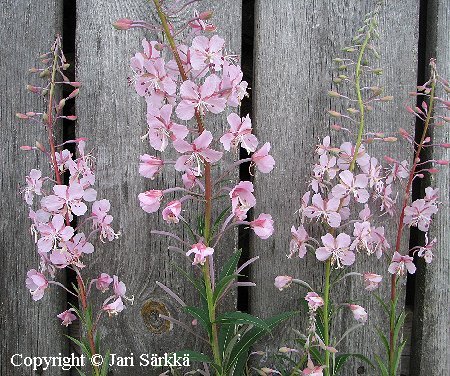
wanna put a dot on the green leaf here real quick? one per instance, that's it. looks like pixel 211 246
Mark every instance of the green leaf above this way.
pixel 240 350
pixel 383 304
pixel 80 372
pixel 105 366
pixel 398 325
pixel 198 285
pixel 82 346
pixel 202 315
pixel 191 232
pixel 383 340
pixel 226 332
pixel 230 266
pixel 381 366
pixel 241 318
pixel 195 356
pixel 397 356
pixel 315 353
pixel 222 286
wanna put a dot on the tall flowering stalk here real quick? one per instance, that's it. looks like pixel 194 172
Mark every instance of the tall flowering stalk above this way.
pixel 347 180
pixel 185 81
pixel 61 212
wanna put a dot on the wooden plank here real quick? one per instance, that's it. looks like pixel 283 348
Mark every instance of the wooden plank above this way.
pixel 431 329
pixel 30 328
pixel 112 116
pixel 294 48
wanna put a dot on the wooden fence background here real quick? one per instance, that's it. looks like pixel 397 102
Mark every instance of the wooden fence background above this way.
pixel 293 44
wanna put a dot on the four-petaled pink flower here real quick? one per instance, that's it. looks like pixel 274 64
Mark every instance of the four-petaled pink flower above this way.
pixel 232 85
pixel 171 213
pixel 262 160
pixel 351 185
pixel 200 99
pixel 346 155
pixel 240 133
pixel 426 250
pixel 115 307
pixel 207 53
pixel 242 198
pixel 282 282
pixel 154 81
pixel 198 151
pixel 36 283
pixel 200 251
pixel 313 371
pixel 298 242
pixel 103 281
pixel 150 201
pixel 359 313
pixel 336 248
pixel 399 263
pixel 263 226
pixel 419 214
pixel 161 128
pixel 71 196
pixel 314 300
pixel 324 209
pixel 67 317
pixel 34 186
pixel 372 281
pixel 102 220
pixel 149 166
pixel 53 232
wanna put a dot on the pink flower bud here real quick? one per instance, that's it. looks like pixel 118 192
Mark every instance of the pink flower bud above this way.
pixel 336 127
pixel 71 117
pixel 445 145
pixel 73 93
pixel 359 313
pixel 433 170
pixel 21 116
pixel 282 282
pixel 389 159
pixel 442 162
pixel 40 146
pixel 123 24
pixel 26 148
pixel 334 113
pixel 205 15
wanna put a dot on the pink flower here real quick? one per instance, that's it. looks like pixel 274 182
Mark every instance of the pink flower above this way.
pixel 313 371
pixel 387 202
pixel 359 313
pixel 79 245
pixel 154 80
pixel 119 287
pixel 198 151
pixel 171 213
pixel 263 226
pixel 379 240
pixel 298 242
pixel 239 134
pixel 363 238
pixel 324 170
pixel 53 232
pixel 150 201
pixel 336 248
pixel 102 220
pixel 282 282
pixel 314 300
pixel 71 196
pixel 232 85
pixel 201 251
pixel 324 209
pixel 203 98
pixel 149 166
pixel 36 283
pixel 103 281
pixel 351 185
pixel 34 186
pixel 67 317
pixel 431 195
pixel 372 281
pixel 346 154
pixel 426 251
pixel 263 161
pixel 399 171
pixel 161 128
pixel 114 308
pixel 419 214
pixel 399 263
pixel 242 198
pixel 207 52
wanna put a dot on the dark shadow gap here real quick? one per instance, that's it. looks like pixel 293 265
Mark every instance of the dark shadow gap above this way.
pixel 68 34
pixel 248 22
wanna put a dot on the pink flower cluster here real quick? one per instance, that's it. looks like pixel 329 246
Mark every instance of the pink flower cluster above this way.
pixel 200 80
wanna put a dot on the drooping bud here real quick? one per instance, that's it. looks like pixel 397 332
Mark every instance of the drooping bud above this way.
pixel 387 98
pixel 123 24
pixel 442 162
pixel 26 148
pixel 73 93
pixel 40 146
pixel 334 94
pixel 334 113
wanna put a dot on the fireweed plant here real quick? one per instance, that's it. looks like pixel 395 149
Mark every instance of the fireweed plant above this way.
pixel 185 80
pixel 347 180
pixel 56 204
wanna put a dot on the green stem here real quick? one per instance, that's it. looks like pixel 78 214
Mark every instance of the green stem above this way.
pixel 326 322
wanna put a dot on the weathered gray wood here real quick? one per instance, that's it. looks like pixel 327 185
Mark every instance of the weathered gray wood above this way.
pixel 295 43
pixel 431 329
pixel 30 328
pixel 112 116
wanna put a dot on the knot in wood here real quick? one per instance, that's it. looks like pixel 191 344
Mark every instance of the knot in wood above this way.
pixel 150 312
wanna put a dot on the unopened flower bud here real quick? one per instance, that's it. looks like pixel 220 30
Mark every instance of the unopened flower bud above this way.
pixel 433 170
pixel 342 67
pixel 420 176
pixel 61 104
pixel 45 118
pixel 334 113
pixel 389 159
pixel 388 98
pixel 30 113
pixel 75 84
pixel 390 139
pixel 32 89
pixel 73 93
pixel 442 162
pixel 336 127
pixel 44 92
pixel 376 90
pixel 337 80
pixel 334 94
pixel 353 111
pixel 445 145
pixel 71 117
pixel 44 73
pixel 65 66
pixel 378 71
pixel 33 70
pixel 26 148
pixel 21 116
pixel 205 15
pixel 123 24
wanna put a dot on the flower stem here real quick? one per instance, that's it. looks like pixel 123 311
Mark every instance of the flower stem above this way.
pixel 326 322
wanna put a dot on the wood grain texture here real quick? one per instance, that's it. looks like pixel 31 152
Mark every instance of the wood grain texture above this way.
pixel 27 30
pixel 294 47
pixel 112 116
pixel 431 327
